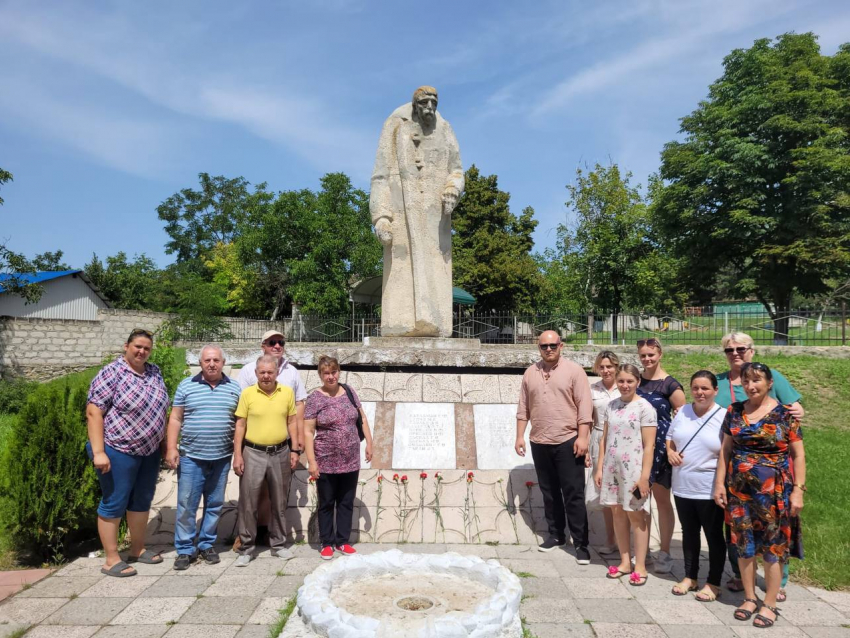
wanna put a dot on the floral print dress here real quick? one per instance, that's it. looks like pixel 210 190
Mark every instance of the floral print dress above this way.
pixel 623 462
pixel 759 484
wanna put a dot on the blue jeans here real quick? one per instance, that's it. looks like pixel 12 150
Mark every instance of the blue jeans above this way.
pixel 196 478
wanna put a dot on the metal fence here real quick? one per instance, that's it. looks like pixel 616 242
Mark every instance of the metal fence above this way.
pixel 696 326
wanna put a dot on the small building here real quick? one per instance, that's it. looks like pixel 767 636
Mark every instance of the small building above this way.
pixel 68 294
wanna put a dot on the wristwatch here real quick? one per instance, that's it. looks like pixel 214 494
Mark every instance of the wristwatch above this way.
pixel 802 486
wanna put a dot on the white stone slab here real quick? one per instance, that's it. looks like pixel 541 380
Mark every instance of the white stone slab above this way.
pixel 495 435
pixel 424 436
pixel 369 409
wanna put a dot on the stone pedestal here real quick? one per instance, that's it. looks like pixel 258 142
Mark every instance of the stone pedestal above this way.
pixel 422 343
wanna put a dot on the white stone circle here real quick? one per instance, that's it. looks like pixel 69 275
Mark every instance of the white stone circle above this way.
pixel 496 617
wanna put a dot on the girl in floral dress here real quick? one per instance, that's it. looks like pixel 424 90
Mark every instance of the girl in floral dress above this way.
pixel 625 461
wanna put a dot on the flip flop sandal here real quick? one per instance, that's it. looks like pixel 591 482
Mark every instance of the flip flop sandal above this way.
pixel 707 596
pixel 614 573
pixel 635 579
pixel 745 614
pixel 764 621
pixel 117 570
pixel 677 591
pixel 147 557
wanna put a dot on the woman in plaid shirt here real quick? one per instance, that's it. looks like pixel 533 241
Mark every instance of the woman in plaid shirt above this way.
pixel 126 415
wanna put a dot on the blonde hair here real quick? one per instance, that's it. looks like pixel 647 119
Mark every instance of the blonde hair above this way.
pixel 628 368
pixel 326 361
pixel 605 354
pixel 737 337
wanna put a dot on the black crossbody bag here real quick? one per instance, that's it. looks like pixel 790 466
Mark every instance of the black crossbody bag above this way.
pixel 359 416
pixel 682 451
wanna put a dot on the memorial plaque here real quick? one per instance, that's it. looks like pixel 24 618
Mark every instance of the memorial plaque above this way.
pixel 495 434
pixel 369 409
pixel 424 436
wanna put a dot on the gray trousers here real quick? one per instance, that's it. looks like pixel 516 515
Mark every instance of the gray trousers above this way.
pixel 273 469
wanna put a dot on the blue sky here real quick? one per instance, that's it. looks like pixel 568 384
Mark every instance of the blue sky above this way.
pixel 108 108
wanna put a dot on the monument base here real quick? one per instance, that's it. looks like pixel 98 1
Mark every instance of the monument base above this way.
pixel 422 343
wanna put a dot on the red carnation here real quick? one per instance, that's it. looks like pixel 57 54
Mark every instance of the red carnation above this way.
pixel 311 480
pixel 529 484
pixel 423 475
pixel 470 475
pixel 438 476
pixel 380 478
pixel 395 477
pixel 404 478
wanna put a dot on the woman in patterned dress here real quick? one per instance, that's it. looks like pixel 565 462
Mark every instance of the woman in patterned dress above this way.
pixel 761 438
pixel 333 455
pixel 622 471
pixel 603 392
pixel 665 394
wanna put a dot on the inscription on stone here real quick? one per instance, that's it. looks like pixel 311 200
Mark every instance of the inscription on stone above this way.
pixel 424 436
pixel 495 434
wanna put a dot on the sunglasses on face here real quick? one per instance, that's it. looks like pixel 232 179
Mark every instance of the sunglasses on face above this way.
pixel 739 350
pixel 549 346
pixel 652 343
pixel 276 342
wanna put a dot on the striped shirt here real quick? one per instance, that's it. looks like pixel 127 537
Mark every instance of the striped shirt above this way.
pixel 286 375
pixel 134 407
pixel 208 417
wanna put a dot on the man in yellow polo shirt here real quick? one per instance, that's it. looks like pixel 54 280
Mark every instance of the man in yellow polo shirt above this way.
pixel 264 416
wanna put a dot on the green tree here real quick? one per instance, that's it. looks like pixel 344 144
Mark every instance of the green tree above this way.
pixel 50 261
pixel 13 264
pixel 131 285
pixel 197 220
pixel 610 259
pixel 491 248
pixel 759 185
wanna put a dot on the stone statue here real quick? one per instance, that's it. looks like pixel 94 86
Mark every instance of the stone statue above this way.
pixel 416 184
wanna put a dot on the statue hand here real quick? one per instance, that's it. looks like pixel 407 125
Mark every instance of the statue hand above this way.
pixel 383 229
pixel 450 196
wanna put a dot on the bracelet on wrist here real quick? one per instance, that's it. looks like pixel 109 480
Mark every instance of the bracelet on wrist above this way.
pixel 802 486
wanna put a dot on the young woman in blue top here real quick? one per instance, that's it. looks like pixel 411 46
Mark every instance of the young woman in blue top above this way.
pixel 738 348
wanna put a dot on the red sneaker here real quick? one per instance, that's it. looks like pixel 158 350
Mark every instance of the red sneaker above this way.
pixel 327 552
pixel 346 550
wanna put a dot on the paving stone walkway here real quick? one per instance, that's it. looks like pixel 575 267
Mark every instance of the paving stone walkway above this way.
pixel 562 599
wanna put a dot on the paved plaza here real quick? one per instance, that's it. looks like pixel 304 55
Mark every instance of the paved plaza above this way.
pixel 560 598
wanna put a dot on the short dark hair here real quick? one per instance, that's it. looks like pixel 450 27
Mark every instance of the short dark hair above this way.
pixel 753 369
pixel 705 374
pixel 139 332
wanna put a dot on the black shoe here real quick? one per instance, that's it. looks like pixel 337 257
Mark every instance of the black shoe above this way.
pixel 582 556
pixel 183 561
pixel 551 543
pixel 210 556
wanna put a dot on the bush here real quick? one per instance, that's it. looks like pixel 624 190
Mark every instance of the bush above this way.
pixel 14 393
pixel 172 364
pixel 48 488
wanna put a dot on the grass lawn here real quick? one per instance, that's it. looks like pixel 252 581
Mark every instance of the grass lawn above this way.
pixel 825 386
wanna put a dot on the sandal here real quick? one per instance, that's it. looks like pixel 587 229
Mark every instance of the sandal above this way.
pixel 746 614
pixel 615 572
pixel 637 580
pixel 117 570
pixel 764 621
pixel 782 595
pixel 147 557
pixel 678 590
pixel 734 584
pixel 707 594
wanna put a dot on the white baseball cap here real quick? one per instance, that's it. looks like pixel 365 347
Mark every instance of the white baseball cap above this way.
pixel 272 333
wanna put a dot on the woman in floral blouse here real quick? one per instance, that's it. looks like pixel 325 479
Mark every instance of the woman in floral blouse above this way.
pixel 332 444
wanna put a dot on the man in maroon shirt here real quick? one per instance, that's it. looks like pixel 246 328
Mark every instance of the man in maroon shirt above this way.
pixel 555 397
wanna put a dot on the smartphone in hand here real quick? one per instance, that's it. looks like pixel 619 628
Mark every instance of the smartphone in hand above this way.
pixel 636 493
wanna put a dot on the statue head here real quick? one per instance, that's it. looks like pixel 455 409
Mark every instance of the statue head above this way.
pixel 425 105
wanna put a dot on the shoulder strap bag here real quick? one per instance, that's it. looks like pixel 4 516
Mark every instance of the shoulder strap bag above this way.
pixel 682 451
pixel 359 416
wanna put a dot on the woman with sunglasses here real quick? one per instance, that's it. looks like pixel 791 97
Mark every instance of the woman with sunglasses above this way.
pixel 754 483
pixel 666 395
pixel 738 348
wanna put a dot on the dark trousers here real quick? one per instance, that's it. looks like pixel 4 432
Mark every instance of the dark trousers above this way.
pixel 561 478
pixel 696 514
pixel 336 491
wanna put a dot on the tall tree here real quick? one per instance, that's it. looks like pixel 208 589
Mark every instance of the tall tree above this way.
pixel 491 247
pixel 50 261
pixel 14 265
pixel 127 284
pixel 197 220
pixel 761 182
pixel 609 259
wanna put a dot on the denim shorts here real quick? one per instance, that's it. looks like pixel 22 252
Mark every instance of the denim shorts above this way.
pixel 129 484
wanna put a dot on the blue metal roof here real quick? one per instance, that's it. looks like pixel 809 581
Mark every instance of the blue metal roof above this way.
pixel 38 277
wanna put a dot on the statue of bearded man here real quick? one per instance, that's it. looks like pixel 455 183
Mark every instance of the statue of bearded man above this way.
pixel 416 184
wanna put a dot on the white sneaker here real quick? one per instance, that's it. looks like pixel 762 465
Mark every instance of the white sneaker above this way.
pixel 663 563
pixel 607 549
pixel 283 553
pixel 243 560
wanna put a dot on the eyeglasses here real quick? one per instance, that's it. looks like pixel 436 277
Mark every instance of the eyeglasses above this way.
pixel 275 342
pixel 652 343
pixel 739 349
pixel 549 346
pixel 754 366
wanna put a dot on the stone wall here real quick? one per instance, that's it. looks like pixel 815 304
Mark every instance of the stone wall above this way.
pixel 44 349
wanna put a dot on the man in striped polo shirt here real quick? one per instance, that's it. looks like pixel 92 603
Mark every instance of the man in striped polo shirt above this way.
pixel 202 417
